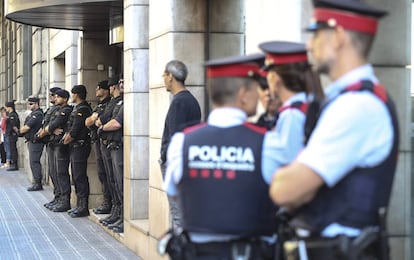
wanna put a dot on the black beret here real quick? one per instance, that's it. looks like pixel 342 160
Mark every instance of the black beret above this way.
pixel 33 99
pixel 79 89
pixel 113 81
pixel 9 104
pixel 62 93
pixel 53 90
pixel 103 85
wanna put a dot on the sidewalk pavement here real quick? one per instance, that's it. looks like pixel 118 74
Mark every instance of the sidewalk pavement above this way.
pixel 30 231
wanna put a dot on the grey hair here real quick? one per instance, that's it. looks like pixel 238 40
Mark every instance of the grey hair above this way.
pixel 177 69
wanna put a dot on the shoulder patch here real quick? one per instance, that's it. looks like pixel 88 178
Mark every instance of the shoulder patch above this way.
pixel 120 102
pixel 79 114
pixel 62 113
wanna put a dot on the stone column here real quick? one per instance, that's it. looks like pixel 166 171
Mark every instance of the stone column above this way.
pixel 390 55
pixel 136 110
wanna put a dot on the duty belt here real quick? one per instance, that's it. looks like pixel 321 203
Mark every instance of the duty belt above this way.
pixel 104 141
pixel 78 143
pixel 114 145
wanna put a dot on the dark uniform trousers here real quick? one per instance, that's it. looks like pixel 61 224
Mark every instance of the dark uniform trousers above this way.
pixel 106 155
pixel 13 150
pixel 101 171
pixel 35 152
pixel 117 155
pixel 52 171
pixel 79 162
pixel 62 159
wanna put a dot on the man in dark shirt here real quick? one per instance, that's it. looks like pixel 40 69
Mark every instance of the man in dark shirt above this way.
pixel 12 130
pixel 32 124
pixel 184 111
pixel 56 129
pixel 102 94
pixel 77 137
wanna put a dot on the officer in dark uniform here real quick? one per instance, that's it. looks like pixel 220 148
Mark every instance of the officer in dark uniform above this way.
pixel 12 132
pixel 32 124
pixel 50 115
pixel 116 131
pixel 339 186
pixel 102 93
pixel 56 129
pixel 215 172
pixel 106 116
pixel 77 137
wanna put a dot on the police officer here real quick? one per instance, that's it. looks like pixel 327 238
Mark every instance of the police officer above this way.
pixel 32 124
pixel 12 132
pixel 50 115
pixel 115 129
pixel 56 129
pixel 77 137
pixel 103 96
pixel 290 78
pixel 343 177
pixel 215 172
pixel 104 118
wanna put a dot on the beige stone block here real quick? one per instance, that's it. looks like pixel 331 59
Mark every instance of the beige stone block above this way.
pixel 136 240
pixel 136 66
pixel 152 250
pixel 397 82
pixel 61 41
pixel 399 215
pixel 160 102
pixel 136 154
pixel 187 47
pixel 136 114
pixel 400 248
pixel 224 45
pixel 95 185
pixel 71 61
pixel 188 15
pixel 226 16
pixel 158 212
pixel 136 27
pixel 155 176
pixel 392 43
pixel 135 199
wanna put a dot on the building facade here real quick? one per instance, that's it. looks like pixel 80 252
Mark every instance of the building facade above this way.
pixel 63 43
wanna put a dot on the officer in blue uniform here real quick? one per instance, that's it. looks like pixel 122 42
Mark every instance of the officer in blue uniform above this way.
pixel 102 93
pixel 56 129
pixel 32 124
pixel 78 139
pixel 342 179
pixel 215 172
pixel 12 133
pixel 290 78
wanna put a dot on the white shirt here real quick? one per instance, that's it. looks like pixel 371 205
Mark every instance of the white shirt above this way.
pixel 282 145
pixel 354 130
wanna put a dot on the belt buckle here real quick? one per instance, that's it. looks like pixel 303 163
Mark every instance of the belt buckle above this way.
pixel 295 249
pixel 241 251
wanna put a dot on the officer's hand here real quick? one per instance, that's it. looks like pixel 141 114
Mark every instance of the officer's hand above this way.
pixel 100 130
pixel 98 122
pixel 58 131
pixel 15 129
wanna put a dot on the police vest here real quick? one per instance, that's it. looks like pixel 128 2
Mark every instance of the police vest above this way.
pixel 66 110
pixel 117 135
pixel 85 110
pixel 107 115
pixel 49 115
pixel 299 105
pixel 35 115
pixel 356 199
pixel 222 190
pixel 99 109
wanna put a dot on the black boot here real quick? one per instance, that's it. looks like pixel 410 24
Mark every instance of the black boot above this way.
pixel 105 208
pixel 82 210
pixel 75 208
pixel 52 202
pixel 35 187
pixel 13 167
pixel 113 218
pixel 110 214
pixel 63 205
pixel 119 228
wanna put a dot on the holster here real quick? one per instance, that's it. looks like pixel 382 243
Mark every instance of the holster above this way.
pixel 177 246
